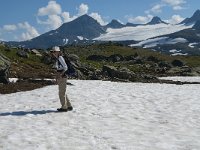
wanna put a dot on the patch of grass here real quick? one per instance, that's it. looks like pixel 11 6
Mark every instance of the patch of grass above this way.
pixel 31 67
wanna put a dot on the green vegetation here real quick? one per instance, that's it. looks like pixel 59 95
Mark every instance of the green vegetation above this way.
pixel 30 67
pixel 109 49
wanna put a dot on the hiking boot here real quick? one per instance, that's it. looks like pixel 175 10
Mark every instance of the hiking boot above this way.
pixel 62 110
pixel 70 108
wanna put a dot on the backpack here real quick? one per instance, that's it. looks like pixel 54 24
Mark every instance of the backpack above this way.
pixel 71 71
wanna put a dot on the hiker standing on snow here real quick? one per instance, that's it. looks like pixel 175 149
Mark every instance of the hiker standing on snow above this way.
pixel 61 79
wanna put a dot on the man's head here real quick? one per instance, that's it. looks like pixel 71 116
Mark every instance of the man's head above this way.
pixel 55 51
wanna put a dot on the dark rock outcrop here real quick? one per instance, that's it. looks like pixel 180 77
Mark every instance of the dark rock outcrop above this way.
pixel 4 69
pixel 177 63
pixel 97 58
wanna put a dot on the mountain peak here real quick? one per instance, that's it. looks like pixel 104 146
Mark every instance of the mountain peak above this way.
pixel 195 17
pixel 156 20
pixel 114 24
pixel 85 18
pixel 197 13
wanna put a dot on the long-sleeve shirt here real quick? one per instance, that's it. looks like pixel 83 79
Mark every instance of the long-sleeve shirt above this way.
pixel 61 64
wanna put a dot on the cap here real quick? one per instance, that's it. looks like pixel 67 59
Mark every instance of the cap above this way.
pixel 55 49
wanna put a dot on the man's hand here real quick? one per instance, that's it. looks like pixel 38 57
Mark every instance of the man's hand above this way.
pixel 58 76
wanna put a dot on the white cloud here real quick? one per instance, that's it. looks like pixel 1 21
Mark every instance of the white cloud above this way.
pixel 51 9
pixel 98 17
pixel 67 18
pixel 157 8
pixel 83 9
pixel 19 32
pixel 176 4
pixel 9 27
pixel 53 12
pixel 177 8
pixel 53 17
pixel 29 33
pixel 139 19
pixel 175 19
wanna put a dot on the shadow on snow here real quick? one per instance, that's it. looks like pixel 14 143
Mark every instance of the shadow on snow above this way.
pixel 23 113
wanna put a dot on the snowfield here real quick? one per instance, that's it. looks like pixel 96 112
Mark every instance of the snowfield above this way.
pixel 140 33
pixel 161 41
pixel 107 116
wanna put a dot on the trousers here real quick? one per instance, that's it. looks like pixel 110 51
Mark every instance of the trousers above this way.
pixel 62 86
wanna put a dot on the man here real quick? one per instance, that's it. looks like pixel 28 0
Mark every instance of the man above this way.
pixel 61 79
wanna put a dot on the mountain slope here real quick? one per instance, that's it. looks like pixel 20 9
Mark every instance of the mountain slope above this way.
pixel 195 17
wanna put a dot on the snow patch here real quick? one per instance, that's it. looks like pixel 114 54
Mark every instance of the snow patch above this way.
pixel 192 45
pixel 159 41
pixel 65 41
pixel 150 42
pixel 140 33
pixel 80 38
pixel 176 40
pixel 107 115
pixel 177 52
pixel 174 51
pixel 181 54
pixel 182 79
pixel 13 80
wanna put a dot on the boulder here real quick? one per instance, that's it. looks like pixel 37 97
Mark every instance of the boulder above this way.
pixel 47 59
pixel 129 58
pixel 97 58
pixel 177 63
pixel 163 64
pixel 22 53
pixel 4 69
pixel 153 59
pixel 116 58
pixel 73 57
pixel 113 72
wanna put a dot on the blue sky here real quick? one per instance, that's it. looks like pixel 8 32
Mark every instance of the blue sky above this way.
pixel 26 19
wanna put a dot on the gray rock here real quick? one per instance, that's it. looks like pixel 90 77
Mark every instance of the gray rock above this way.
pixel 113 72
pixel 4 69
pixel 23 54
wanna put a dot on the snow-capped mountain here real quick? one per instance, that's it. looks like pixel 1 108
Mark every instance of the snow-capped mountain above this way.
pixel 156 20
pixel 86 29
